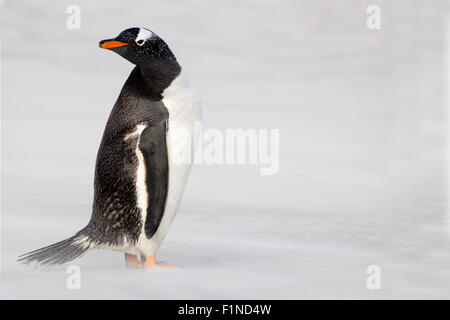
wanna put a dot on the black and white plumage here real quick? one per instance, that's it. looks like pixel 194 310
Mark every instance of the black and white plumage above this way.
pixel 144 158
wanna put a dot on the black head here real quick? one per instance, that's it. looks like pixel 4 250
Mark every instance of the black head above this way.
pixel 139 46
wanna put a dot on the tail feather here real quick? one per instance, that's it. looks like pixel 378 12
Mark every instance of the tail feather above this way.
pixel 60 252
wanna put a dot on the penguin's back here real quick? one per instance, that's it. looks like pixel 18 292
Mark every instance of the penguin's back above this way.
pixel 142 167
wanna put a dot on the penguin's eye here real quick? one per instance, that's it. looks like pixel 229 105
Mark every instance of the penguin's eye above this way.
pixel 140 42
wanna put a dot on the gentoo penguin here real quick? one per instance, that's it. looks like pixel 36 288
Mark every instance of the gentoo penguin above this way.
pixel 143 161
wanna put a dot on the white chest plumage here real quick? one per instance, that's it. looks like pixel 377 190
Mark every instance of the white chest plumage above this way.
pixel 184 111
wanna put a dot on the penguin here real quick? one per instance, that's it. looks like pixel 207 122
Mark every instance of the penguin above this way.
pixel 143 161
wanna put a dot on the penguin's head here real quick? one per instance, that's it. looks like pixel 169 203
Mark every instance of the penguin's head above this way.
pixel 139 46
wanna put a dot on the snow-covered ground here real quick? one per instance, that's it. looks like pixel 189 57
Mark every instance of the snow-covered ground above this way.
pixel 361 115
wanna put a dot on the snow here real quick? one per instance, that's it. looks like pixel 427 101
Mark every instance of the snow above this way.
pixel 362 125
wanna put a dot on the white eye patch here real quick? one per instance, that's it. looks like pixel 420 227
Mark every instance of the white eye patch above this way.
pixel 143 36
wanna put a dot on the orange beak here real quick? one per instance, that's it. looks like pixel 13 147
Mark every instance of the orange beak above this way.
pixel 112 44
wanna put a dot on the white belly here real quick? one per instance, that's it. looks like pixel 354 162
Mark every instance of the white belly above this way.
pixel 184 111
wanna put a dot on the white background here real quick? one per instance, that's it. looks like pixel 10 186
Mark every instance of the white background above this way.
pixel 361 115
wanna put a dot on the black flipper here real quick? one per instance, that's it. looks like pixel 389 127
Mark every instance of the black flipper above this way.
pixel 153 146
